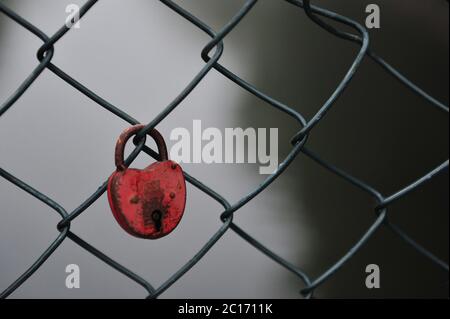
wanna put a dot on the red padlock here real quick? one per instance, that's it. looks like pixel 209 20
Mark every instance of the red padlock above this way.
pixel 147 203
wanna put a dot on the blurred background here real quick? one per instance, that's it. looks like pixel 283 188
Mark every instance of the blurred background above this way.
pixel 139 56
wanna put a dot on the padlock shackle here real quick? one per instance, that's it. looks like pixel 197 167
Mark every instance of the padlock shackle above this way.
pixel 129 132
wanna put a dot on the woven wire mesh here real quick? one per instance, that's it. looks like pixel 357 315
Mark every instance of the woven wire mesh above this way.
pixel 317 14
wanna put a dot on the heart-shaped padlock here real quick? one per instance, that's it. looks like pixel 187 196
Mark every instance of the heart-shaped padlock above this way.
pixel 147 203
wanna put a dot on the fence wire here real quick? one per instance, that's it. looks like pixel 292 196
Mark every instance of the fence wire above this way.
pixel 317 14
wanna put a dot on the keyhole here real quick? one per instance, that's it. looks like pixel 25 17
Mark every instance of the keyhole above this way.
pixel 156 217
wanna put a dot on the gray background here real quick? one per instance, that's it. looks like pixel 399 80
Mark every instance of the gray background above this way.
pixel 138 56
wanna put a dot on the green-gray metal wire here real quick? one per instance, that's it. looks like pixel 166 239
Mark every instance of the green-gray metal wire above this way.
pixel 319 16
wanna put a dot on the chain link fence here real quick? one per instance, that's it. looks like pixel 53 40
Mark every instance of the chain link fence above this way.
pixel 320 16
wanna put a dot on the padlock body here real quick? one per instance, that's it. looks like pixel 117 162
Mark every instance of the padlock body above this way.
pixel 148 203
